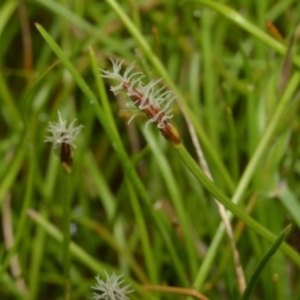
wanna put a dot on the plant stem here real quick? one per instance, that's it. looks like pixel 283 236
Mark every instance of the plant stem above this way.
pixel 236 210
pixel 65 198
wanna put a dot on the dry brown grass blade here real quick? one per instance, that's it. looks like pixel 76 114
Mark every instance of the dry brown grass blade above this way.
pixel 175 290
pixel 236 257
pixel 8 236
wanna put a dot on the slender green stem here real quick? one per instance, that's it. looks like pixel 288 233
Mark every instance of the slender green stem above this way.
pixel 80 254
pixel 102 93
pixel 134 203
pixel 184 155
pixel 236 210
pixel 247 175
pixel 158 66
pixel 119 148
pixel 111 240
pixel 22 218
pixel 177 199
pixel 265 140
pixel 14 167
pixel 6 12
pixel 8 101
pixel 142 227
pixel 239 20
pixel 77 251
pixel 27 138
pixel 65 200
pixel 68 15
pixel 209 76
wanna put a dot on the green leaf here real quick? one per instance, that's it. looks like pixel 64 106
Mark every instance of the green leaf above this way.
pixel 264 260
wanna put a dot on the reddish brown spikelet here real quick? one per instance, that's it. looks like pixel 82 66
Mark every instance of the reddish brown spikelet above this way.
pixel 146 98
pixel 66 157
pixel 155 113
pixel 273 30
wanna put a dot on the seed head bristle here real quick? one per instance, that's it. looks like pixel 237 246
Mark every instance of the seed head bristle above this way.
pixel 155 103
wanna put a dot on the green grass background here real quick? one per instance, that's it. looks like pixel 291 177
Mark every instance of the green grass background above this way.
pixel 139 206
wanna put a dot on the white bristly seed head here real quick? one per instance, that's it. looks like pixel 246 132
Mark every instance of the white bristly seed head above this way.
pixel 132 83
pixel 111 288
pixel 60 133
pixel 154 102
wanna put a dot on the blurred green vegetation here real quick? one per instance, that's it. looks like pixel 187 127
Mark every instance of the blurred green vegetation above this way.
pixel 135 207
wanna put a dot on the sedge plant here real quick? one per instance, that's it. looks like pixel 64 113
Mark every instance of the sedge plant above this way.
pixel 132 206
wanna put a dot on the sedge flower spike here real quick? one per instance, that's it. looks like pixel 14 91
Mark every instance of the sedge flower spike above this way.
pixel 155 103
pixel 63 138
pixel 110 289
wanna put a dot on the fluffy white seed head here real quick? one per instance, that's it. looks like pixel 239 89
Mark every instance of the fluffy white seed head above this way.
pixel 60 133
pixel 132 84
pixel 111 288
